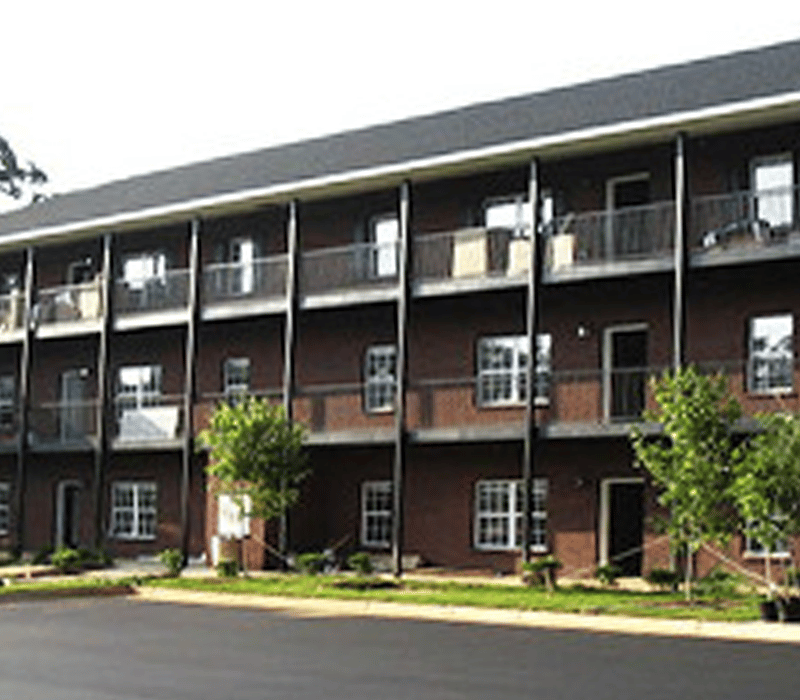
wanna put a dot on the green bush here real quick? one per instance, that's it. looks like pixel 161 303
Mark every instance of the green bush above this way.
pixel 541 571
pixel 608 574
pixel 172 558
pixel 792 577
pixel 666 579
pixel 718 584
pixel 42 555
pixel 310 563
pixel 227 568
pixel 66 560
pixel 361 563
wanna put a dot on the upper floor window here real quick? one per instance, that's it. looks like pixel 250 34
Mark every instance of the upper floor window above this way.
pixel 512 214
pixel 241 255
pixel 384 236
pixel 141 269
pixel 236 378
pixel 380 372
pixel 80 271
pixel 772 182
pixel 8 401
pixel 771 361
pixel 502 369
pixel 138 386
pixel 628 191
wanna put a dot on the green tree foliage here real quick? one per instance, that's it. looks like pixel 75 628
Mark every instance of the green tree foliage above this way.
pixel 691 464
pixel 255 451
pixel 12 174
pixel 766 487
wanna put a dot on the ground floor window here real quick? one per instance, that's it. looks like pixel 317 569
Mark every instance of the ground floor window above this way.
pixel 5 508
pixel 499 507
pixel 754 548
pixel 133 510
pixel 376 513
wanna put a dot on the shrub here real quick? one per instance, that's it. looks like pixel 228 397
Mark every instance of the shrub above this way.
pixel 172 558
pixel 542 571
pixel 227 568
pixel 608 574
pixel 42 555
pixel 66 560
pixel 361 563
pixel 310 563
pixel 666 579
pixel 718 583
pixel 792 577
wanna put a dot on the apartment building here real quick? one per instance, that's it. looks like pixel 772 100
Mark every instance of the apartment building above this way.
pixel 462 308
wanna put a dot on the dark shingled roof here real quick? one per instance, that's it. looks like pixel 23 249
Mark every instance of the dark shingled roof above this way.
pixel 710 82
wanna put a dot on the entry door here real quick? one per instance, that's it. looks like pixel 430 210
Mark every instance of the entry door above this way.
pixel 624 506
pixel 242 257
pixel 626 233
pixel 73 418
pixel 68 514
pixel 626 363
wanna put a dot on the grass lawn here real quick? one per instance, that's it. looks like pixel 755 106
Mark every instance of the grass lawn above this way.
pixel 570 600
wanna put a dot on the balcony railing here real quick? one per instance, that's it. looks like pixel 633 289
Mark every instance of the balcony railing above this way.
pixel 63 423
pixel 602 237
pixel 470 253
pixel 158 418
pixel 68 303
pixel 358 266
pixel 209 401
pixel 12 312
pixel 339 407
pixel 165 292
pixel 746 220
pixel 264 278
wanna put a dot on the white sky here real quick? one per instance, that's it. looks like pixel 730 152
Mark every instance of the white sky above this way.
pixel 93 91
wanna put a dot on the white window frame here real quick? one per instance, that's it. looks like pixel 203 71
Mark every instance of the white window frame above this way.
pixel 384 241
pixel 137 508
pixel 376 516
pixel 512 213
pixel 513 377
pixel 232 388
pixel 5 507
pixel 233 520
pixel 765 356
pixel 755 550
pixel 380 378
pixel 242 257
pixel 146 391
pixel 779 199
pixel 8 402
pixel 500 529
pixel 140 270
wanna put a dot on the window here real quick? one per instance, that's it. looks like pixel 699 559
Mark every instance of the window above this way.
pixel 5 508
pixel 502 366
pixel 772 181
pixel 512 214
pixel 133 510
pixel 8 410
pixel 142 269
pixel 384 235
pixel 80 272
pixel 499 507
pixel 232 519
pixel 754 548
pixel 376 513
pixel 139 386
pixel 771 353
pixel 236 378
pixel 380 366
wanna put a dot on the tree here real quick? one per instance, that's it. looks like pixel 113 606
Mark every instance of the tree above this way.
pixel 766 487
pixel 12 174
pixel 691 463
pixel 256 452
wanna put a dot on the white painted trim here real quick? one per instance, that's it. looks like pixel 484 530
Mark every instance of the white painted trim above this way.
pixel 398 171
pixel 60 491
pixel 608 332
pixel 604 524
pixel 619 179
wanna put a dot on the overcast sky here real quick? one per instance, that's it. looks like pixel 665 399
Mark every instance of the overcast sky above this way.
pixel 94 91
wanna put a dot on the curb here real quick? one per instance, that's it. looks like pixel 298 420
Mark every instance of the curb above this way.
pixel 314 607
pixel 67 592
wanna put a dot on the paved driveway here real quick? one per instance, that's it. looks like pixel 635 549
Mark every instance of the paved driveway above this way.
pixel 109 649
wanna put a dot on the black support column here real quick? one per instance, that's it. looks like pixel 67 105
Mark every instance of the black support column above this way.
pixel 105 399
pixel 190 387
pixel 681 254
pixel 290 341
pixel 400 430
pixel 23 407
pixel 532 328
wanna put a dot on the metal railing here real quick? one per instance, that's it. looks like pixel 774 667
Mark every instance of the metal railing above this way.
pixel 63 423
pixel 71 302
pixel 12 312
pixel 354 266
pixel 159 293
pixel 156 418
pixel 745 219
pixel 339 407
pixel 263 278
pixel 630 233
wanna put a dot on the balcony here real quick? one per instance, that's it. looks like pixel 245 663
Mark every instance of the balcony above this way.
pixel 238 289
pixel 622 241
pixel 63 425
pixel 157 422
pixel 745 226
pixel 151 301
pixel 208 402
pixel 69 308
pixel 12 316
pixel 353 274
